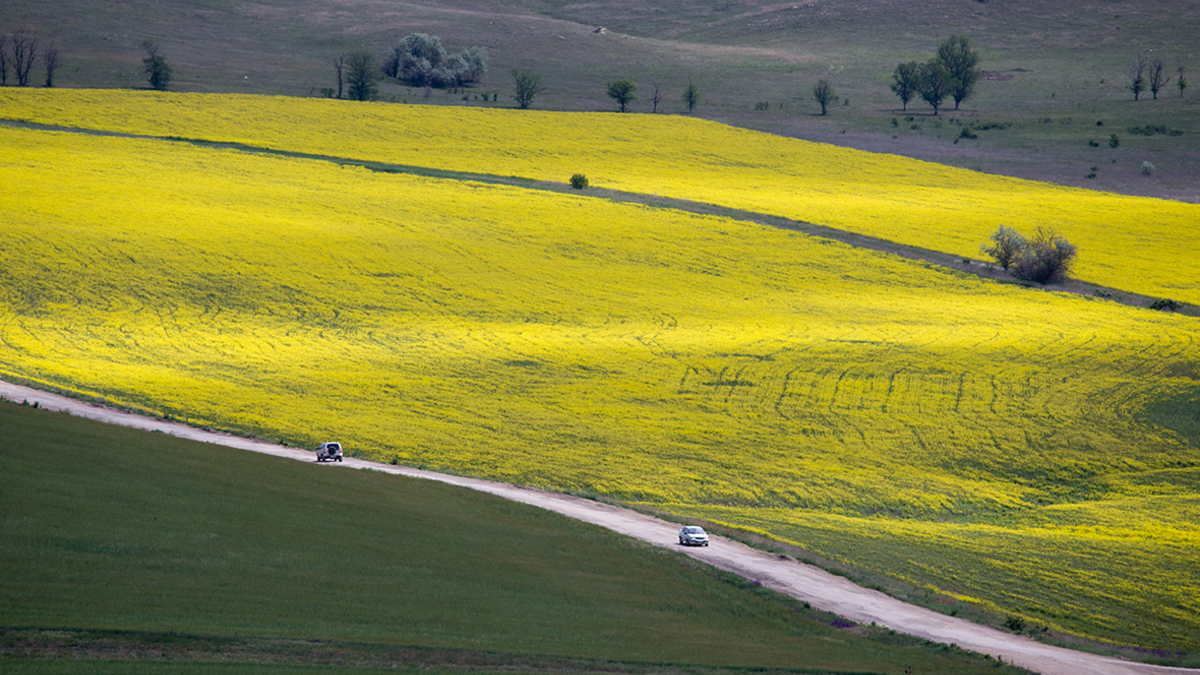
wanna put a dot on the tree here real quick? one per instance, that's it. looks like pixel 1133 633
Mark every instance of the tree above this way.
pixel 1006 247
pixel 956 56
pixel 691 95
pixel 657 97
pixel 824 94
pixel 526 86
pixel 1158 77
pixel 905 79
pixel 24 53
pixel 155 67
pixel 4 61
pixel 420 60
pixel 339 65
pixel 1180 80
pixel 1046 258
pixel 934 83
pixel 622 90
pixel 50 61
pixel 362 72
pixel 1137 77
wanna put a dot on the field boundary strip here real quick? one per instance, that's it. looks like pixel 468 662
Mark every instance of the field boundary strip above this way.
pixel 935 257
pixel 782 574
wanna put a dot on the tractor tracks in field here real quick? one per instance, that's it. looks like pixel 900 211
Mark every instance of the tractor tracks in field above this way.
pixel 946 260
pixel 780 573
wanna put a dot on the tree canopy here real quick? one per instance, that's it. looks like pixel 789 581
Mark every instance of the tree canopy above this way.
pixel 420 60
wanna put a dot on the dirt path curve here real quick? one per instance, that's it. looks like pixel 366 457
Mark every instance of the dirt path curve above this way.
pixel 824 590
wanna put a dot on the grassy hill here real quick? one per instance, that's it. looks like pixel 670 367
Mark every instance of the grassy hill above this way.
pixel 924 425
pixel 1057 71
pixel 187 557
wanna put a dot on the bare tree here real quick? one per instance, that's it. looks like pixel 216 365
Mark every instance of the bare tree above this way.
pixel 691 95
pixel 339 64
pixel 824 94
pixel 1158 77
pixel 1137 77
pixel 24 53
pixel 1180 80
pixel 51 62
pixel 526 86
pixel 657 97
pixel 3 61
pixel 905 79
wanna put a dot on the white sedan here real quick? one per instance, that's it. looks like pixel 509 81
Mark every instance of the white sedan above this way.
pixel 693 535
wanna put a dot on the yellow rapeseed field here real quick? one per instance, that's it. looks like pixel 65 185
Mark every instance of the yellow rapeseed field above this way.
pixel 1139 245
pixel 980 440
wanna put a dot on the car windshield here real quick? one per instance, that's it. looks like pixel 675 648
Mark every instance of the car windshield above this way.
pixel 694 530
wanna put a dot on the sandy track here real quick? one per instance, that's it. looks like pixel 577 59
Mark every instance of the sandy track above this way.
pixel 820 588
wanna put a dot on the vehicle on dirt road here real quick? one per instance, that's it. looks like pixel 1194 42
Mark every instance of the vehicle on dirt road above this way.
pixel 693 535
pixel 329 452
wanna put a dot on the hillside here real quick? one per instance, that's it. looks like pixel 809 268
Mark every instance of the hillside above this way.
pixel 1003 449
pixel 142 552
pixel 1057 84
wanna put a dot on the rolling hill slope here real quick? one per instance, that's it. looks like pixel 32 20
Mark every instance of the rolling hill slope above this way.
pixel 870 408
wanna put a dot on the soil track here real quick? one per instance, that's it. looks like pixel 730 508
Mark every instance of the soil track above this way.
pixel 780 573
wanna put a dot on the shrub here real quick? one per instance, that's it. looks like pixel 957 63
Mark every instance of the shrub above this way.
pixel 1114 141
pixel 1147 169
pixel 579 181
pixel 1014 623
pixel 1046 258
pixel 1006 247
pixel 1165 305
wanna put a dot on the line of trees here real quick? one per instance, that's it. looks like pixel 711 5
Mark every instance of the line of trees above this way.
pixel 20 51
pixel 1146 74
pixel 952 73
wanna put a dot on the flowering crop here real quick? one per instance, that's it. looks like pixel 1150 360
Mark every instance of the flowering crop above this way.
pixel 1140 245
pixel 761 377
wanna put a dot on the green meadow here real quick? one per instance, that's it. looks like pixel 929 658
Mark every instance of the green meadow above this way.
pixel 181 545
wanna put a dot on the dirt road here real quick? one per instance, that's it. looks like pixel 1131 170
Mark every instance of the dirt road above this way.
pixel 822 589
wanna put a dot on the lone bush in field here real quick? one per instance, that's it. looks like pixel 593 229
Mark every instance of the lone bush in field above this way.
pixel 1046 258
pixel 579 181
pixel 1006 247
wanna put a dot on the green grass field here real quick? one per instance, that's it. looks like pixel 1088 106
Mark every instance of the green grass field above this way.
pixel 120 530
pixel 1062 68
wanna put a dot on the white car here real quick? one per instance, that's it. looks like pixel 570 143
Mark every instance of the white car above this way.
pixel 693 535
pixel 329 452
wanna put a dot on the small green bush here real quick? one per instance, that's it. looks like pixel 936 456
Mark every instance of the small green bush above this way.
pixel 1165 305
pixel 1147 169
pixel 579 181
